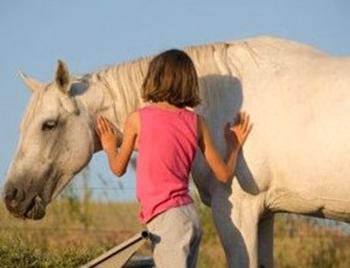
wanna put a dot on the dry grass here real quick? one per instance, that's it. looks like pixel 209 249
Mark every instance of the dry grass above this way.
pixel 74 232
pixel 312 245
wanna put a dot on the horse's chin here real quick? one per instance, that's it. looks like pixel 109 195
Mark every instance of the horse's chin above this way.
pixel 36 209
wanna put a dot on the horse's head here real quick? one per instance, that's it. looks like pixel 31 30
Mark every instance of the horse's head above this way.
pixel 56 141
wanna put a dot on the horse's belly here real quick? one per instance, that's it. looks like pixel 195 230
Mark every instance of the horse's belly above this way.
pixel 310 168
pixel 299 154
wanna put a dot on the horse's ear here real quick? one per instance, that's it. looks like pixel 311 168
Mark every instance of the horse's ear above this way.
pixel 31 83
pixel 62 77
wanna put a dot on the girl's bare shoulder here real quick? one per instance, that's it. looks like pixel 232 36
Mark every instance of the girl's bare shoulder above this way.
pixel 133 121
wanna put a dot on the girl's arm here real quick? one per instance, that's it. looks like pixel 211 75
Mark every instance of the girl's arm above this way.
pixel 235 137
pixel 118 159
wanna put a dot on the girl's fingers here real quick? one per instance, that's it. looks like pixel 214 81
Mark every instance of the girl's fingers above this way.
pixel 242 127
pixel 104 124
pixel 242 117
pixel 246 123
pixel 108 125
pixel 98 125
pixel 108 122
pixel 98 131
pixel 250 128
pixel 101 125
pixel 246 134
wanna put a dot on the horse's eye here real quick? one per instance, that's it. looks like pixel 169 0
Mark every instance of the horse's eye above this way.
pixel 49 125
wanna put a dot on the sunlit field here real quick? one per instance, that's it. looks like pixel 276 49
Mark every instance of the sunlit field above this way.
pixel 77 229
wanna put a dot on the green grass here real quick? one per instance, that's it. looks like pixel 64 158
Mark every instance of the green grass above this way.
pixel 15 253
pixel 73 232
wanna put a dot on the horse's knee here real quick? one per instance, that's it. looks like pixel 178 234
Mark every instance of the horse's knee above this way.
pixel 237 225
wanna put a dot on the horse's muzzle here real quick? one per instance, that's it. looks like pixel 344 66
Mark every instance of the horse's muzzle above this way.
pixel 23 205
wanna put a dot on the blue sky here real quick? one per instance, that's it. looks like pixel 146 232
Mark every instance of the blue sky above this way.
pixel 91 34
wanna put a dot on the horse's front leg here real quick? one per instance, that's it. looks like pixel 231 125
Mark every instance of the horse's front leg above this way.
pixel 236 216
pixel 265 241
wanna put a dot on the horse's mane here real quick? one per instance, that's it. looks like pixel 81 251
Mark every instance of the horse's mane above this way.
pixel 124 80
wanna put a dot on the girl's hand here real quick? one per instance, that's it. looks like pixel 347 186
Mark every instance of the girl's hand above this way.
pixel 107 134
pixel 240 130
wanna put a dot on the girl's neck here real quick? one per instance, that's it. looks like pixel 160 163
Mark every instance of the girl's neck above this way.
pixel 165 106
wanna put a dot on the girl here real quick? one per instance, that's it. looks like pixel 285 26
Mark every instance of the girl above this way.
pixel 166 135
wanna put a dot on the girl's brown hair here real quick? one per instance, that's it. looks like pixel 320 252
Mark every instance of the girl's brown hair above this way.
pixel 172 77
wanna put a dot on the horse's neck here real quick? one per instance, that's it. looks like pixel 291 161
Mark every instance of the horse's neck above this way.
pixel 115 91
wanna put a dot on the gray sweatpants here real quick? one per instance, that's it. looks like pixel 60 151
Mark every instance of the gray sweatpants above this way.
pixel 176 234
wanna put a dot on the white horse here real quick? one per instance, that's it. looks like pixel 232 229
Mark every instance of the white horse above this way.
pixel 296 159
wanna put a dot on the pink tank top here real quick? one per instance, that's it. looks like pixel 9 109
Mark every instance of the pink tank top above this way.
pixel 167 146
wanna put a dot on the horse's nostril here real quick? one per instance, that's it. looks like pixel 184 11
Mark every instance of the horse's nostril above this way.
pixel 13 196
pixel 19 196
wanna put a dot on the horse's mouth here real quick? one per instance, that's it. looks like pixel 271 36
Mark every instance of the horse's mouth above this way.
pixel 36 209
